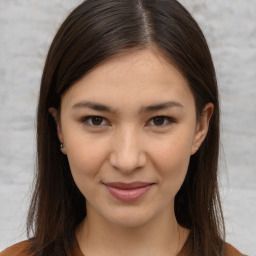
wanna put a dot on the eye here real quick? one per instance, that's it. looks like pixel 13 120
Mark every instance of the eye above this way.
pixel 161 121
pixel 95 121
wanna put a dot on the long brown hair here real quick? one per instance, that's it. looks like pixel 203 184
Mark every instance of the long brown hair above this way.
pixel 96 31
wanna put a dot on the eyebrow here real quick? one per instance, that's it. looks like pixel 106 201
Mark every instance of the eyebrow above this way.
pixel 104 108
pixel 161 106
pixel 94 106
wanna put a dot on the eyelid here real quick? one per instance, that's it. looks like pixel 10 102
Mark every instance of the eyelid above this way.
pixel 170 121
pixel 87 121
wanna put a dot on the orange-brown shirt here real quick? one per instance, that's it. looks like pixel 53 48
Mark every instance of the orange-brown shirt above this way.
pixel 22 249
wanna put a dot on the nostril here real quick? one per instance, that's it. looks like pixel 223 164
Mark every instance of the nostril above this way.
pixel 127 163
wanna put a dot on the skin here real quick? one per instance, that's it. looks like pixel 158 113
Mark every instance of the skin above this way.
pixel 126 144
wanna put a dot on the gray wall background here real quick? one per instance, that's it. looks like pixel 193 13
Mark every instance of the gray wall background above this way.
pixel 26 30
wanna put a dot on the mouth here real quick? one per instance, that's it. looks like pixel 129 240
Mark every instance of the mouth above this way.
pixel 128 192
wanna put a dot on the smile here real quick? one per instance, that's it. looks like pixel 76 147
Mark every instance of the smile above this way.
pixel 128 192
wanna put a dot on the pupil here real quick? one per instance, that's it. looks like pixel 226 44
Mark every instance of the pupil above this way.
pixel 97 120
pixel 158 121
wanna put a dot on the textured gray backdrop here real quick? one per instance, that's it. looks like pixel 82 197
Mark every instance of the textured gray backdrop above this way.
pixel 26 30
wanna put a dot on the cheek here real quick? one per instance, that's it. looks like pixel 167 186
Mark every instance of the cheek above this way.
pixel 85 161
pixel 85 156
pixel 171 158
pixel 174 149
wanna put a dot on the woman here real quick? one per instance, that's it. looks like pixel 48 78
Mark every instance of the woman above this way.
pixel 128 137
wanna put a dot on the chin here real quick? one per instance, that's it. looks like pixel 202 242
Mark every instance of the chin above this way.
pixel 130 218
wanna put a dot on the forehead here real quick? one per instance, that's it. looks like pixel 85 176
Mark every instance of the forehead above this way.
pixel 138 76
pixel 142 64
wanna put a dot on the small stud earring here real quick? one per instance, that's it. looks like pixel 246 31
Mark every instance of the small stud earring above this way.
pixel 61 146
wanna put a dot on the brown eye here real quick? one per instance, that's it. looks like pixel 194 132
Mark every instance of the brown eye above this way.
pixel 159 120
pixel 96 120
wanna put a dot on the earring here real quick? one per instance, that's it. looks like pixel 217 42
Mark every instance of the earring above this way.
pixel 61 146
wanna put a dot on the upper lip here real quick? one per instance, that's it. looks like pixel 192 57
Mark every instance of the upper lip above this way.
pixel 132 185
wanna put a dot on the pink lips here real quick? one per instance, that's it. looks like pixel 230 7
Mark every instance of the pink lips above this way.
pixel 128 191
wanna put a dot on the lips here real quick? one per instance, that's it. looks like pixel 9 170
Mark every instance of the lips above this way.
pixel 128 192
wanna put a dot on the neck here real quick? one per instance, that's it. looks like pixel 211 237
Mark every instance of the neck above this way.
pixel 161 236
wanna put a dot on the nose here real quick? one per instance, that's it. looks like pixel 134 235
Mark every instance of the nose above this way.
pixel 127 151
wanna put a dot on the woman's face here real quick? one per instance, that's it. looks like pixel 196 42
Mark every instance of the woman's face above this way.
pixel 129 128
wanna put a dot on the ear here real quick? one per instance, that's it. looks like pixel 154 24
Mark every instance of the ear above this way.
pixel 55 115
pixel 202 127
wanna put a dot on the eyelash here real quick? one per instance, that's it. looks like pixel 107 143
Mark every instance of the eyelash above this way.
pixel 167 121
pixel 89 119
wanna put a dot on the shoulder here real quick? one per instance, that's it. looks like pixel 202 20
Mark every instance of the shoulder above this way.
pixel 230 251
pixel 19 249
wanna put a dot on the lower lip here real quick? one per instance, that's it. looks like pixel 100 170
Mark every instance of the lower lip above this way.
pixel 128 195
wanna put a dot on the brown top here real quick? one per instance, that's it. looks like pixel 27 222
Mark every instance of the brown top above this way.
pixel 22 249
